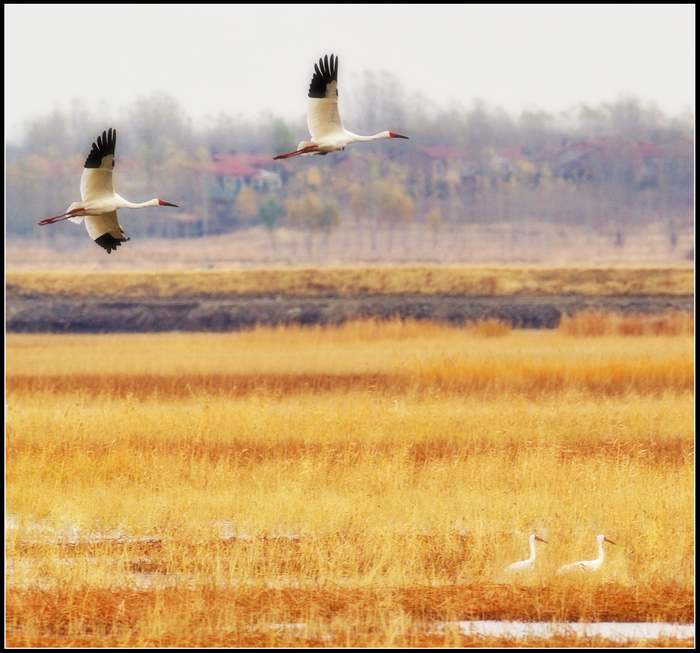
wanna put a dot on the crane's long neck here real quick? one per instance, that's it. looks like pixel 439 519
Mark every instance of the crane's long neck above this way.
pixel 532 549
pixel 375 137
pixel 601 551
pixel 126 204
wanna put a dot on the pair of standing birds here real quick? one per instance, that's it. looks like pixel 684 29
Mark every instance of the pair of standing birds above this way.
pixel 99 205
pixel 582 565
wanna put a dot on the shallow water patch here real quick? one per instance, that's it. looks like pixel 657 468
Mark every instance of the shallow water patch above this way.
pixel 617 631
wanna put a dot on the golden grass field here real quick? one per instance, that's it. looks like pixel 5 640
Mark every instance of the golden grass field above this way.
pixel 423 280
pixel 365 481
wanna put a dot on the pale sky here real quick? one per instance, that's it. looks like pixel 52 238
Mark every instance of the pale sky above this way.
pixel 243 60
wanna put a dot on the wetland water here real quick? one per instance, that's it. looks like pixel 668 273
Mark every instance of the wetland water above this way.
pixel 47 313
pixel 617 631
pixel 23 573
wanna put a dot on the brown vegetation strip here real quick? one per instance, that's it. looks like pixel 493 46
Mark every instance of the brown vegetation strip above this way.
pixel 604 323
pixel 344 281
pixel 243 452
pixel 153 549
pixel 113 610
pixel 606 602
pixel 167 386
pixel 256 639
pixel 619 379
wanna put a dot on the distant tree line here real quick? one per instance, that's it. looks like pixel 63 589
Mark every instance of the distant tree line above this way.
pixel 609 167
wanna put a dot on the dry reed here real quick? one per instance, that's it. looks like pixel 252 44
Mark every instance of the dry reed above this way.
pixel 198 489
pixel 395 279
pixel 601 323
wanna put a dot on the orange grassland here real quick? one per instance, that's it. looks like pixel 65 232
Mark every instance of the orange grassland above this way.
pixel 362 482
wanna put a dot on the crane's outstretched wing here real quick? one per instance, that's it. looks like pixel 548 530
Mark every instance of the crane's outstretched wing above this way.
pixel 96 180
pixel 323 117
pixel 105 230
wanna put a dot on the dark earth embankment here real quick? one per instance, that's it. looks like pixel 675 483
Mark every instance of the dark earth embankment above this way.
pixel 50 313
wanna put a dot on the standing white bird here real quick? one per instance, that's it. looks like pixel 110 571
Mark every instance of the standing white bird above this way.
pixel 323 118
pixel 529 563
pixel 99 201
pixel 588 565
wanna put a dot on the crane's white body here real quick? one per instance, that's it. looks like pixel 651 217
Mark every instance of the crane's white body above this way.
pixel 528 563
pixel 326 127
pixel 588 565
pixel 100 213
pixel 334 141
pixel 323 116
pixel 99 203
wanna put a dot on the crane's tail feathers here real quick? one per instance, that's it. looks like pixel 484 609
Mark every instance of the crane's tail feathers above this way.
pixel 64 216
pixel 304 150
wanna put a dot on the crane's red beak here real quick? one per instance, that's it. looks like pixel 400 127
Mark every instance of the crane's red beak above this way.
pixel 164 203
pixel 395 135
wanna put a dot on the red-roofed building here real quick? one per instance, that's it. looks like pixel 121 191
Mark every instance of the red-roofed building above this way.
pixel 446 164
pixel 228 174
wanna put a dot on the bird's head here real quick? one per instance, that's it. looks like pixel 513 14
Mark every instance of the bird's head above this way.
pixel 539 539
pixel 395 135
pixel 164 203
pixel 602 538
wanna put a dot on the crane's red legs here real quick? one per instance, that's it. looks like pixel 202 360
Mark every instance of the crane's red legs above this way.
pixel 63 216
pixel 303 150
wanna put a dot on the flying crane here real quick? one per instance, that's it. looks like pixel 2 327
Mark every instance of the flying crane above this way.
pixel 99 204
pixel 323 118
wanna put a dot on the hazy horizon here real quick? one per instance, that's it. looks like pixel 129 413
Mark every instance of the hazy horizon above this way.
pixel 251 59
